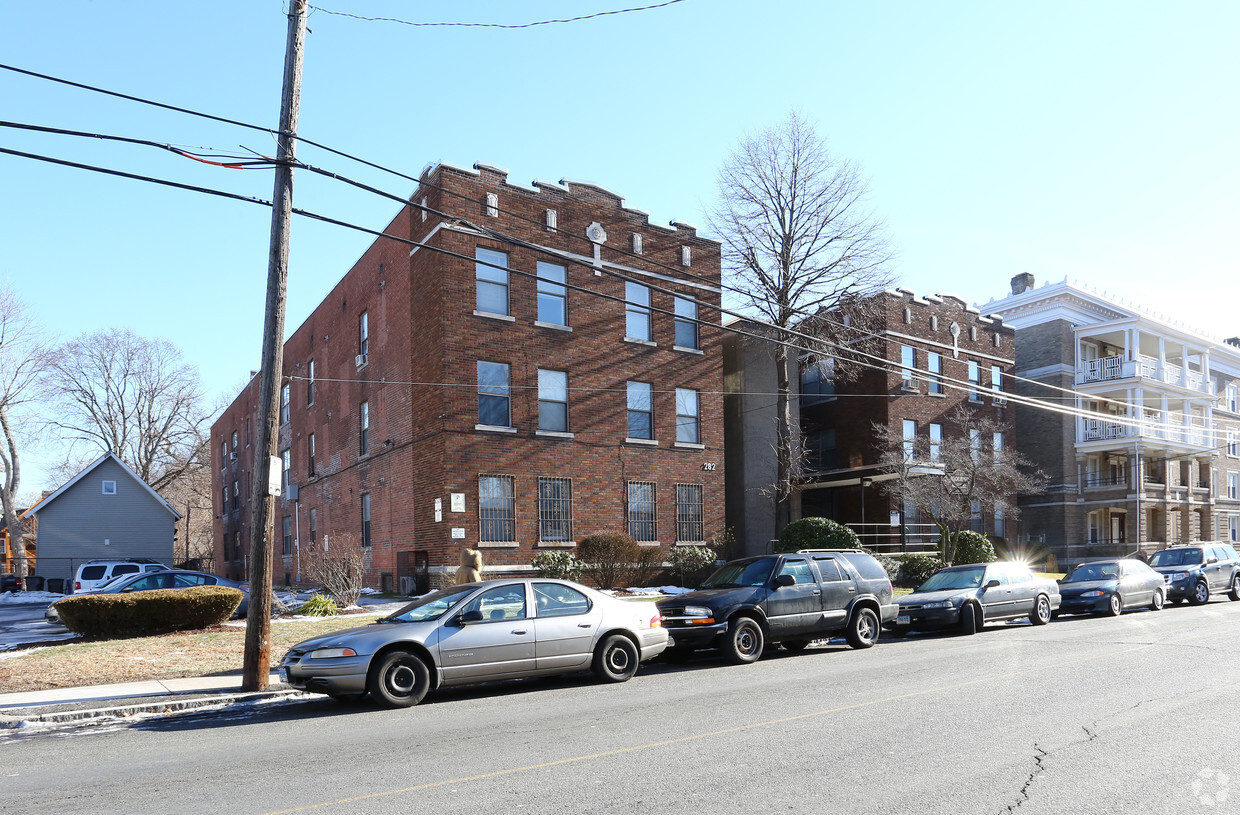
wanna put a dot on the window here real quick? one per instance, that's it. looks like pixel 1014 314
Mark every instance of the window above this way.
pixel 555 510
pixel 910 438
pixel 908 362
pixel 236 496
pixel 314 526
pixel 975 382
pixel 224 499
pixel 493 394
pixel 997 446
pixel 553 401
pixel 689 513
pixel 286 464
pixel 637 312
pixel 284 391
pixel 641 511
pixel 686 323
pixel 234 441
pixel 936 441
pixel 498 604
pixel 996 384
pixel 492 296
pixel 975 445
pixel 1233 444
pixel 934 364
pixel 363 336
pixel 310 383
pixel 1233 485
pixel 688 423
pixel 496 510
pixel 1233 398
pixel 363 436
pixel 1000 522
pixel 976 522
pixel 288 535
pixel 558 600
pixel 1233 528
pixel 365 520
pixel 223 453
pixel 109 488
pixel 641 410
pixel 817 380
pixel 310 453
pixel 552 294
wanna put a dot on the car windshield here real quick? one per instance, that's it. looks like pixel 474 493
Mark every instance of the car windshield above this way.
pixel 431 607
pixel 1094 571
pixel 948 579
pixel 1176 557
pixel 744 573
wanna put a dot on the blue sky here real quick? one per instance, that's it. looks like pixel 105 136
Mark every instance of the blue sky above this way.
pixel 1091 140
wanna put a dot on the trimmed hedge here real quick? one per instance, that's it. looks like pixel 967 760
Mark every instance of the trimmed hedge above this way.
pixel 609 557
pixel 915 568
pixel 972 547
pixel 148 612
pixel 816 533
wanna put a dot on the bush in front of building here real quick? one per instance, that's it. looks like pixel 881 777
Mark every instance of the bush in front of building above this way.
pixel 319 605
pixel 916 567
pixel 148 612
pixel 816 533
pixel 557 565
pixel 971 547
pixel 609 557
pixel 690 565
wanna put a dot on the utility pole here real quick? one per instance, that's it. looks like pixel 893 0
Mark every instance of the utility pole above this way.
pixel 256 668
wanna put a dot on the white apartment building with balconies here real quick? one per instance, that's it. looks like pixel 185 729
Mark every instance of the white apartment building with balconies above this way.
pixel 1138 427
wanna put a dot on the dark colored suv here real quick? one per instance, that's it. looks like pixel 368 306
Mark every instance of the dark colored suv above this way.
pixel 1194 572
pixel 792 599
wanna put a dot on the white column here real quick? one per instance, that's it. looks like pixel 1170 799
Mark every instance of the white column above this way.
pixel 1162 356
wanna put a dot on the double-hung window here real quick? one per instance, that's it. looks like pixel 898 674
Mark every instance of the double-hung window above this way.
pixel 689 528
pixel 934 364
pixel 492 282
pixel 314 527
pixel 493 394
pixel 975 381
pixel 310 451
pixel 910 438
pixel 1233 485
pixel 908 364
pixel 365 520
pixel 284 394
pixel 641 410
pixel 637 312
pixel 288 535
pixel 996 384
pixel 310 383
pixel 936 441
pixel 497 520
pixel 553 401
pixel 555 510
pixel 286 464
pixel 363 337
pixel 686 323
pixel 688 418
pixel 643 524
pixel 552 294
pixel 363 434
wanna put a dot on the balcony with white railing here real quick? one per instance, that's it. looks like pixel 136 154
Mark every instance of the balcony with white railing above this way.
pixel 1155 425
pixel 1112 368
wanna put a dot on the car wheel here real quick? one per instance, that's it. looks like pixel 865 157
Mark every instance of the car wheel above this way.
pixel 1041 614
pixel 615 659
pixel 863 630
pixel 1156 603
pixel 1115 606
pixel 744 641
pixel 795 645
pixel 969 623
pixel 399 679
pixel 1234 594
pixel 1201 593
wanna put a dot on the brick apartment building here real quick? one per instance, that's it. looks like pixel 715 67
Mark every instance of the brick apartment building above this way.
pixel 1154 456
pixel 937 339
pixel 441 397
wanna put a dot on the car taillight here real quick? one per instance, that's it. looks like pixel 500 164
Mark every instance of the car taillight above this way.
pixel 77 585
pixel 656 621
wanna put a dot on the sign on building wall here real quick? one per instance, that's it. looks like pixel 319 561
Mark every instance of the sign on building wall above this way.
pixel 438 510
pixel 458 502
pixel 458 533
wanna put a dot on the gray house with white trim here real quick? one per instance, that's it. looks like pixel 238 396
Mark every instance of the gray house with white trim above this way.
pixel 104 512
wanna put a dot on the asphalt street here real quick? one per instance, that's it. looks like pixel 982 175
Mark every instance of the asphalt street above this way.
pixel 1131 714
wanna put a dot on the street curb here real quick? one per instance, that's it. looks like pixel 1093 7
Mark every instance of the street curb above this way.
pixel 20 718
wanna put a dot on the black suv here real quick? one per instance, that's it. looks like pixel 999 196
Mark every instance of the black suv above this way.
pixel 1193 572
pixel 792 599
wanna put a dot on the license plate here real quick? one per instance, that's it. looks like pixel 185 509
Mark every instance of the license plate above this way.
pixel 902 620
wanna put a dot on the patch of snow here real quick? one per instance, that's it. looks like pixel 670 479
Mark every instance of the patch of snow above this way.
pixel 30 597
pixel 11 654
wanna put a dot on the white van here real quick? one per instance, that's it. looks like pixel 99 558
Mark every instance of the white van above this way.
pixel 95 573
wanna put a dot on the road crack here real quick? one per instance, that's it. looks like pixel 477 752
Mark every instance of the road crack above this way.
pixel 1039 767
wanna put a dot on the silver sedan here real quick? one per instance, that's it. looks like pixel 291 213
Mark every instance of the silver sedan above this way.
pixel 480 632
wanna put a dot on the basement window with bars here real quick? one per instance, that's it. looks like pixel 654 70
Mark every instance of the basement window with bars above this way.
pixel 497 520
pixel 689 527
pixel 555 510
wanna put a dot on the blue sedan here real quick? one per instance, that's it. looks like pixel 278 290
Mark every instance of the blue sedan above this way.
pixel 1110 586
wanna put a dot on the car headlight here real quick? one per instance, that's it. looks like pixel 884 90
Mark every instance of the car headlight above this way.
pixel 1094 593
pixel 1179 575
pixel 332 653
pixel 697 611
pixel 941 604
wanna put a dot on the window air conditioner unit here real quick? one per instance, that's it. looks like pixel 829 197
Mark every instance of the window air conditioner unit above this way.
pixel 360 360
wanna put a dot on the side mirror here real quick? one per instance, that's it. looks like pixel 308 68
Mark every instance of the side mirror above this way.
pixel 1211 559
pixel 468 617
pixel 992 583
pixel 785 580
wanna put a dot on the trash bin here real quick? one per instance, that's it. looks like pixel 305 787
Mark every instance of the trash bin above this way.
pixel 34 582
pixel 56 585
pixel 9 582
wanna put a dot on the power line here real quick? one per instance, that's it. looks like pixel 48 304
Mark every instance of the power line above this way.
pixel 497 25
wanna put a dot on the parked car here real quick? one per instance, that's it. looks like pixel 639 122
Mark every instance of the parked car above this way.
pixel 1195 572
pixel 1109 587
pixel 94 573
pixel 479 632
pixel 791 599
pixel 166 579
pixel 968 597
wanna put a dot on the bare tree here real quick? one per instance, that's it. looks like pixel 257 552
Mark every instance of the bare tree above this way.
pixel 949 481
pixel 115 391
pixel 24 357
pixel 797 239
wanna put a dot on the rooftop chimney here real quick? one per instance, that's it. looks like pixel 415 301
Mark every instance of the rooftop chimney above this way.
pixel 1022 282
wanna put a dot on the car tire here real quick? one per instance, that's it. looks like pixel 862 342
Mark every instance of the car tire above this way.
pixel 1201 593
pixel 1041 614
pixel 399 679
pixel 969 622
pixel 1156 603
pixel 863 628
pixel 615 659
pixel 1234 594
pixel 1115 605
pixel 796 646
pixel 744 641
